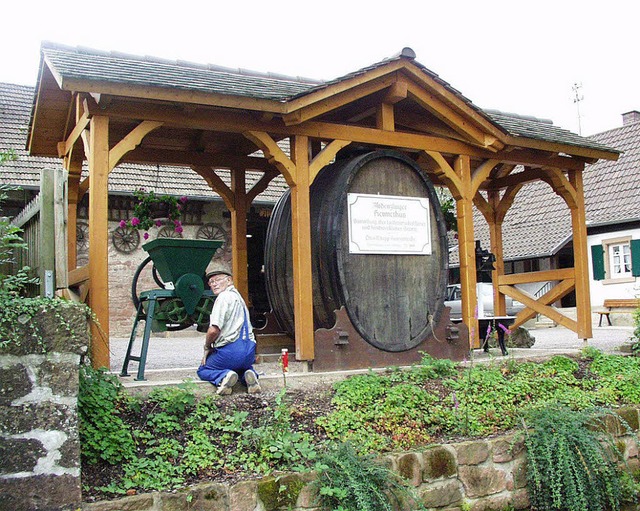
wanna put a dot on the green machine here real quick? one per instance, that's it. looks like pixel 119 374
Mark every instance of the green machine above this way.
pixel 182 301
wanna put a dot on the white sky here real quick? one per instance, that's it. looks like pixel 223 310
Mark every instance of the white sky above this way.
pixel 514 56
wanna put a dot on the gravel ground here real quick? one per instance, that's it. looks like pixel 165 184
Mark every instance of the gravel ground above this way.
pixel 173 359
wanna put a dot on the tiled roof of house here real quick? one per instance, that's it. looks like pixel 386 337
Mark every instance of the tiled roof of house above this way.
pixel 15 110
pixel 612 189
pixel 112 67
pixel 539 222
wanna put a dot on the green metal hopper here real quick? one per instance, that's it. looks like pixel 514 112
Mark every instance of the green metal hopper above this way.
pixel 175 257
pixel 181 264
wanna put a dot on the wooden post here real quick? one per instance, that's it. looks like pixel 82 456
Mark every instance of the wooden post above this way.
pixel 239 233
pixel 301 251
pixel 580 258
pixel 60 218
pixel 47 263
pixel 98 239
pixel 72 222
pixel 467 250
pixel 495 233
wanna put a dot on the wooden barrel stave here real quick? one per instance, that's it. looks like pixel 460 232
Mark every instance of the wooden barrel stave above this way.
pixel 389 298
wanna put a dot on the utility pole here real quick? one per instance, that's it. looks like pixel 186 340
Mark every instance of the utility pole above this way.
pixel 576 99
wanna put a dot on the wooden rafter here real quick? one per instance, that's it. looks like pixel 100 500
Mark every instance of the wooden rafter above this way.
pixel 561 185
pixel 454 119
pixel 217 184
pixel 237 122
pixel 325 156
pixel 131 141
pixel 446 174
pixel 346 97
pixel 274 154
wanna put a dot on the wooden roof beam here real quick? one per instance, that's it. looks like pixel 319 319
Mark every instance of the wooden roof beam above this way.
pixel 189 158
pixel 456 121
pixel 240 122
pixel 341 99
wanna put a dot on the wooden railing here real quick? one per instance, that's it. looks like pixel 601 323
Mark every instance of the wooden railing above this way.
pixel 542 304
pixel 43 222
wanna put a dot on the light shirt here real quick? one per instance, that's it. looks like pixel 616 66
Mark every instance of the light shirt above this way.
pixel 228 315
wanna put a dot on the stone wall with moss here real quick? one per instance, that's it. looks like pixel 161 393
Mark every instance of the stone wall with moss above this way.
pixel 478 475
pixel 39 443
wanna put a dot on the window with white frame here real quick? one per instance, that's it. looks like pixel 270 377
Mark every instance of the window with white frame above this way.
pixel 619 260
pixel 616 259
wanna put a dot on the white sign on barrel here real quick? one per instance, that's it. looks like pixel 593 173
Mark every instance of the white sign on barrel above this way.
pixel 384 224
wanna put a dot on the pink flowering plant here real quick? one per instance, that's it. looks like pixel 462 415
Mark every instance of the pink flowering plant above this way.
pixel 156 210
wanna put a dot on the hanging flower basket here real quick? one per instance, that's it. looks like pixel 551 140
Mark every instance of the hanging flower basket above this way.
pixel 151 209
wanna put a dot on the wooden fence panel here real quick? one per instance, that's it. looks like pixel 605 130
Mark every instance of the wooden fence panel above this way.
pixel 43 222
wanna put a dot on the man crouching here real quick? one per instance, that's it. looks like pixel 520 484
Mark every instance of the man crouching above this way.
pixel 230 346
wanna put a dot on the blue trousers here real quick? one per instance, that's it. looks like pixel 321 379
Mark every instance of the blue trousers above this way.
pixel 237 356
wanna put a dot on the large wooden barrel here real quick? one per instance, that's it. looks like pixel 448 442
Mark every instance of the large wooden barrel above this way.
pixel 392 290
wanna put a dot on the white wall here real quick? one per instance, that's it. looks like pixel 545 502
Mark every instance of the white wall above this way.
pixel 603 289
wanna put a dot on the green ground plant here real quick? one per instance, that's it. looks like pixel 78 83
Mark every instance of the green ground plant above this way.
pixel 173 438
pixel 572 462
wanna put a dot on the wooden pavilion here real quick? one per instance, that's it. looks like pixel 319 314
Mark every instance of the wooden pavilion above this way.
pixel 109 108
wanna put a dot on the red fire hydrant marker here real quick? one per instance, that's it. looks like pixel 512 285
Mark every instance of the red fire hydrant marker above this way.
pixel 284 363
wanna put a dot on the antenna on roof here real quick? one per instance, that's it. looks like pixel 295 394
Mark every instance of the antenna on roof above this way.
pixel 576 99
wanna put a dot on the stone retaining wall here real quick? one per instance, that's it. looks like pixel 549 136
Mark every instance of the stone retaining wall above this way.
pixel 39 444
pixel 486 474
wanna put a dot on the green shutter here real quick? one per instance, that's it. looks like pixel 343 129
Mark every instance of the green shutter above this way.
pixel 597 257
pixel 635 258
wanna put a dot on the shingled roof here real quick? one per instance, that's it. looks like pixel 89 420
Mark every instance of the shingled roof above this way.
pixel 69 64
pixel 15 111
pixel 539 223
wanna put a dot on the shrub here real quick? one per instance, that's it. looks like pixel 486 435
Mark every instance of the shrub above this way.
pixel 103 434
pixel 571 461
pixel 348 481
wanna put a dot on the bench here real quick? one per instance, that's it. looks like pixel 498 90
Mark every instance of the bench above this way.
pixel 617 303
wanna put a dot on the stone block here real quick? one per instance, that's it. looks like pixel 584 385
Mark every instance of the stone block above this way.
pixel 410 468
pixel 472 453
pixel 279 492
pixel 630 416
pixel 520 499
pixel 45 492
pixel 70 452
pixel 441 494
pixel 498 503
pixel 481 481
pixel 61 377
pixel 308 498
pixel 50 338
pixel 439 462
pixel 507 448
pixel 203 498
pixel 14 383
pixel 144 502
pixel 519 473
pixel 44 415
pixel 19 454
pixel 243 496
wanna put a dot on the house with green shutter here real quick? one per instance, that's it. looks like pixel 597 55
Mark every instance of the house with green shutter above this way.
pixel 613 215
pixel 537 230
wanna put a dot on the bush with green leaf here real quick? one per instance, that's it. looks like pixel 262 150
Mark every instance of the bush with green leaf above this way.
pixel 103 433
pixel 349 481
pixel 572 462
